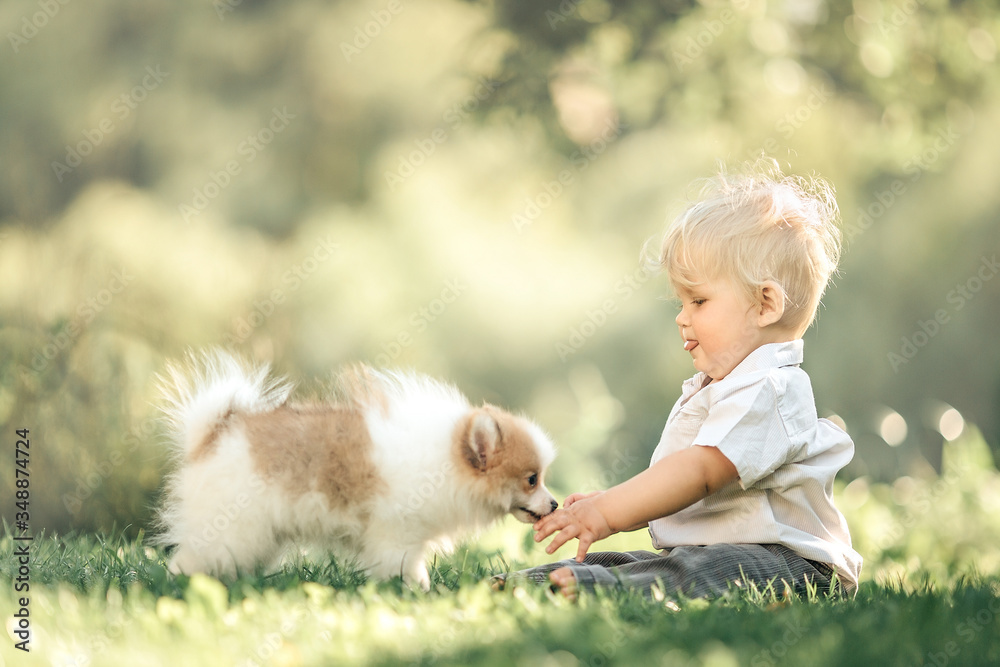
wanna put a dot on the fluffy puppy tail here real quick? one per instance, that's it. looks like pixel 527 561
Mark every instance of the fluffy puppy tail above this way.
pixel 202 392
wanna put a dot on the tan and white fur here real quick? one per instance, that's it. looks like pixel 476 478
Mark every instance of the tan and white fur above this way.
pixel 388 468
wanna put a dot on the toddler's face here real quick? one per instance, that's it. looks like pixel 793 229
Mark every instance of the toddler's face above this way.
pixel 718 326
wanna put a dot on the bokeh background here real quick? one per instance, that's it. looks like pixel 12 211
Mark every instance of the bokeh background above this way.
pixel 464 188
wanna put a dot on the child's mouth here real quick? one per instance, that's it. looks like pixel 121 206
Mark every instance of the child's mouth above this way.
pixel 690 345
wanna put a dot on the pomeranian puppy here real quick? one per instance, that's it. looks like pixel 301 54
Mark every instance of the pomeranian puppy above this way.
pixel 387 468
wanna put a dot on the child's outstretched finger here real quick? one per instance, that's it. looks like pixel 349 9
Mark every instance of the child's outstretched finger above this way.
pixel 562 537
pixel 581 551
pixel 543 530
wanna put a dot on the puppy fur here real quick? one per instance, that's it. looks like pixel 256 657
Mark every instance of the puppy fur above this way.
pixel 387 468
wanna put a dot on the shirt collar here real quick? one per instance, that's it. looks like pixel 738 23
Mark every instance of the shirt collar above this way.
pixel 770 355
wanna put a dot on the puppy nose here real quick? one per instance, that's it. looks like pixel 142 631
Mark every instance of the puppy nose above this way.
pixel 554 504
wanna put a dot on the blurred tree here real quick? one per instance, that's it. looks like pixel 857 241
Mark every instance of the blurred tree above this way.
pixel 211 148
pixel 901 63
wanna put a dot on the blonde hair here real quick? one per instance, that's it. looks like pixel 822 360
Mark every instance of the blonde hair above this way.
pixel 755 227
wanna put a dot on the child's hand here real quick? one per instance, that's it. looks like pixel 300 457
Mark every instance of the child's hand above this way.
pixel 573 497
pixel 580 519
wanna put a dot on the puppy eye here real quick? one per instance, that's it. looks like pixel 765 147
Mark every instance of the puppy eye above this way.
pixel 533 480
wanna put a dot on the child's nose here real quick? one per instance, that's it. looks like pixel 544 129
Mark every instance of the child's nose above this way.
pixel 680 319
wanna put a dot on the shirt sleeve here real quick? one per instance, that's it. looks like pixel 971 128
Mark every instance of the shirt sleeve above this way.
pixel 745 425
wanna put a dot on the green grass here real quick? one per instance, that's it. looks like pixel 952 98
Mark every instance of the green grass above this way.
pixel 97 601
pixel 109 600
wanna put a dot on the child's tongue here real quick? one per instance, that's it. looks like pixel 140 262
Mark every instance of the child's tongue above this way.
pixel 690 345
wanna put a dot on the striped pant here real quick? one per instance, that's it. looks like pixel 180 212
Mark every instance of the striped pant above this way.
pixel 694 571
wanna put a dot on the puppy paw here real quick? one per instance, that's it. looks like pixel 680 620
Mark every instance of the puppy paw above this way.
pixel 420 578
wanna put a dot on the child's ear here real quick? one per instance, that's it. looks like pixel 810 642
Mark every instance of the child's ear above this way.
pixel 770 302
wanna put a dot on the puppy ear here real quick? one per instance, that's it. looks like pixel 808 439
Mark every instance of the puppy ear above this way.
pixel 484 436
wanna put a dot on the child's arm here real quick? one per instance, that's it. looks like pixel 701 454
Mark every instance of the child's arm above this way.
pixel 572 498
pixel 671 484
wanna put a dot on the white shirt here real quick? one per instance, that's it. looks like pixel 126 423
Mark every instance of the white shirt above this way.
pixel 762 417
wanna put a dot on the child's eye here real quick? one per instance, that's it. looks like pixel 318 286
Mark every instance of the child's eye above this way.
pixel 698 302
